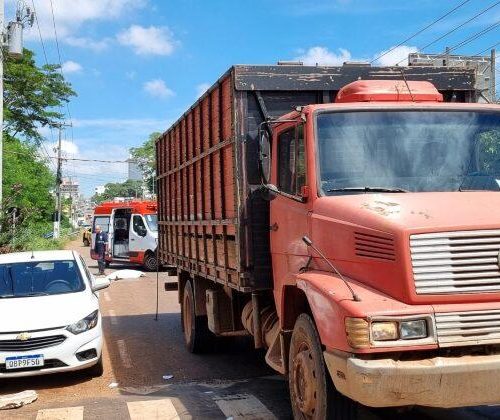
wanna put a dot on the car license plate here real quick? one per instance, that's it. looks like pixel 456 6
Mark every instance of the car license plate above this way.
pixel 23 362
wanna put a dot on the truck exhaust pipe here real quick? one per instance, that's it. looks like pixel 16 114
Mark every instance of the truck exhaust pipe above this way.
pixel 261 323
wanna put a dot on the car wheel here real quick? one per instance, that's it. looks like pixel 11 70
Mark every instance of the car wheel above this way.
pixel 98 369
pixel 197 336
pixel 312 393
pixel 150 262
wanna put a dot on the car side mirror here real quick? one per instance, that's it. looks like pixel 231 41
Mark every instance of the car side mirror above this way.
pixel 100 283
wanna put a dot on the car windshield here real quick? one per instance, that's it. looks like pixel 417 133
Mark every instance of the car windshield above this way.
pixel 408 151
pixel 25 279
pixel 152 221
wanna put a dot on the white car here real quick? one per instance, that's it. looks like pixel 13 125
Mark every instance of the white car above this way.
pixel 49 314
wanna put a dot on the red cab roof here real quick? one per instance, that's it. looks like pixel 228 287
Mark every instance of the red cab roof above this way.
pixel 141 207
pixel 388 90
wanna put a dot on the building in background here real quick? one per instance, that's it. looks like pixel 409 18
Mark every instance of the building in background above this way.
pixel 134 172
pixel 99 189
pixel 70 188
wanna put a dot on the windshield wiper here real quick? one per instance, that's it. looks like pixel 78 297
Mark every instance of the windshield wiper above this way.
pixel 369 189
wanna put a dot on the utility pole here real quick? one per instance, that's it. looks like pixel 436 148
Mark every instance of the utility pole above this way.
pixel 57 218
pixel 493 82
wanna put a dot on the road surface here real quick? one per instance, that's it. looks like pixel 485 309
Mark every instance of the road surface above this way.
pixel 148 373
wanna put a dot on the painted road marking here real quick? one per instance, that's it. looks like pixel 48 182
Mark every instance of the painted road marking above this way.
pixel 243 406
pixel 122 349
pixel 152 410
pixel 107 298
pixel 112 316
pixel 67 413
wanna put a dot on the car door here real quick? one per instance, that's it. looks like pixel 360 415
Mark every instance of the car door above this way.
pixel 137 235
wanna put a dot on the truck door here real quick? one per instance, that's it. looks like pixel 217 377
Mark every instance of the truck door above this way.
pixel 138 236
pixel 290 209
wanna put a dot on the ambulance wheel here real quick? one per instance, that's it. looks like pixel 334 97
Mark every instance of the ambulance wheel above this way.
pixel 312 393
pixel 150 262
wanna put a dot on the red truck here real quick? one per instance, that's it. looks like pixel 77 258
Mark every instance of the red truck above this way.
pixel 348 218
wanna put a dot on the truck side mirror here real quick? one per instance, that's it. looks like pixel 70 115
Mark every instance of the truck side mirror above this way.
pixel 265 154
pixel 270 192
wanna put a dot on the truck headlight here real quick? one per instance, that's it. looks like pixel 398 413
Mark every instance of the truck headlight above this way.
pixel 386 330
pixel 84 324
pixel 409 330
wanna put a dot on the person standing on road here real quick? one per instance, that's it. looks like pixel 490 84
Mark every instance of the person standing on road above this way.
pixel 100 248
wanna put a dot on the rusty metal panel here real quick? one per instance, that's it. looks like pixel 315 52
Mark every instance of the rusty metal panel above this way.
pixel 321 78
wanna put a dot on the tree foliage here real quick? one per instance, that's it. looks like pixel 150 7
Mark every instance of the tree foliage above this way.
pixel 144 155
pixel 126 189
pixel 32 95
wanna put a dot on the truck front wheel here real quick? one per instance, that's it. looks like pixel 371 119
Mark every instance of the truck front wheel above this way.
pixel 197 336
pixel 312 393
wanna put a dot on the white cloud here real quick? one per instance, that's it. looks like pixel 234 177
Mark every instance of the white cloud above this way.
pixel 158 88
pixel 71 67
pixel 324 57
pixel 397 56
pixel 68 148
pixel 88 43
pixel 71 18
pixel 202 88
pixel 153 40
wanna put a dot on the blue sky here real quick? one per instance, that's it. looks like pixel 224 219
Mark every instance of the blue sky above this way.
pixel 138 64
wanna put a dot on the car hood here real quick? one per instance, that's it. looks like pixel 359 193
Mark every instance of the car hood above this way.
pixel 45 312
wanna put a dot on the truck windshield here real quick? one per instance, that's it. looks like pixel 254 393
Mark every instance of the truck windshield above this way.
pixel 408 151
pixel 152 221
pixel 26 279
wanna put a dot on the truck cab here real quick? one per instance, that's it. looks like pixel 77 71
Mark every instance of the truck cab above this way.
pixel 385 217
pixel 132 229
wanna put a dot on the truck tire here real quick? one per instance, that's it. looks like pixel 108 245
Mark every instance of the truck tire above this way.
pixel 197 336
pixel 312 393
pixel 150 262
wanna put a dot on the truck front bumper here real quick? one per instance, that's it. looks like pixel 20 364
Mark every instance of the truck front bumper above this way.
pixel 435 382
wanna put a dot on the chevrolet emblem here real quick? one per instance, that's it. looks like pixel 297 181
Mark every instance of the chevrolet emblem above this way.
pixel 23 336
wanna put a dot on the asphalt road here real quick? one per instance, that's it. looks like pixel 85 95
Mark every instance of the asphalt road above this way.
pixel 151 374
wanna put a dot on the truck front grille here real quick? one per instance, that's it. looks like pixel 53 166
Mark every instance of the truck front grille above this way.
pixel 468 328
pixel 456 262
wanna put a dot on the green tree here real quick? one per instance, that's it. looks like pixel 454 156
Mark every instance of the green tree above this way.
pixel 128 188
pixel 32 95
pixel 144 155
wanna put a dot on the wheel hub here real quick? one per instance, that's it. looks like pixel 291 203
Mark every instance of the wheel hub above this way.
pixel 304 382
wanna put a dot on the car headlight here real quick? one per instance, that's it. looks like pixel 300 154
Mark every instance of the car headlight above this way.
pixel 382 331
pixel 409 330
pixel 84 324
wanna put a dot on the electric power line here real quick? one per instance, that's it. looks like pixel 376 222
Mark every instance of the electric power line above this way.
pixel 420 31
pixel 488 49
pixel 482 12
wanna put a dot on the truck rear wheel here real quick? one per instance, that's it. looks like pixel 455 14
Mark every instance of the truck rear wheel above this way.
pixel 312 393
pixel 197 336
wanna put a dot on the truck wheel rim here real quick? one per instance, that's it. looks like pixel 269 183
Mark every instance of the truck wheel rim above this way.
pixel 304 382
pixel 187 318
